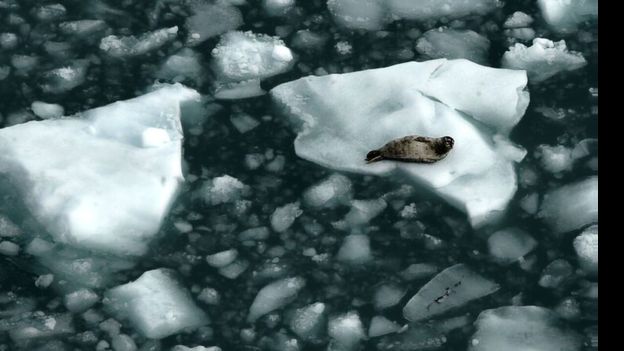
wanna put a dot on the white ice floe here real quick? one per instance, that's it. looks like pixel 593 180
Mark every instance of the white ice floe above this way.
pixel 543 59
pixel 518 19
pixel 223 189
pixel 453 287
pixel 358 14
pixel 510 244
pixel 454 44
pixel 283 217
pixel 275 296
pixel 156 304
pixel 80 300
pixel 330 192
pixel 555 159
pixel 388 295
pixel 209 19
pixel 90 180
pixel 571 206
pixel 340 118
pixel 355 250
pixel 182 66
pixel 381 325
pixel 47 111
pixel 308 322
pixel 586 247
pixel 65 78
pixel 278 7
pixel 242 59
pixel 521 328
pixel 565 16
pixel 130 46
pixel 346 331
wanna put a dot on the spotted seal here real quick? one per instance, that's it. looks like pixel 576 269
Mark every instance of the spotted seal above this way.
pixel 413 148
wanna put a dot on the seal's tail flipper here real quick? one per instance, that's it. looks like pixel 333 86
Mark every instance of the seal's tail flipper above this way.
pixel 373 156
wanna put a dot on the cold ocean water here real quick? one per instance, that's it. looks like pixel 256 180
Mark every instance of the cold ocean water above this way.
pixel 169 181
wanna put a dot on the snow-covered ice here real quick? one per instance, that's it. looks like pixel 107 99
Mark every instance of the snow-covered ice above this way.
pixel 131 46
pixel 521 328
pixel 308 322
pixel 275 296
pixel 223 189
pixel 156 304
pixel 518 19
pixel 586 247
pixel 451 288
pixel 346 331
pixel 90 180
pixel 334 129
pixel 571 206
pixel 543 59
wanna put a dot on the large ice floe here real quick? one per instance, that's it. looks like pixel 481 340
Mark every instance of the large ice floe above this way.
pixel 102 180
pixel 340 117
pixel 521 328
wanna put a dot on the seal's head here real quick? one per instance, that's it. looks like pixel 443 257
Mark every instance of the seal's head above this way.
pixel 448 142
pixel 443 145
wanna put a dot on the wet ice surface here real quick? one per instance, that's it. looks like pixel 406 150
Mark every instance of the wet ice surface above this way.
pixel 234 211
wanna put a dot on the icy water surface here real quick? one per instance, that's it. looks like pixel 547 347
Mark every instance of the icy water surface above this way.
pixel 226 204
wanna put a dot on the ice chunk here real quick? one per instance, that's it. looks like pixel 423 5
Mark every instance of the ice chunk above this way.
pixel 49 13
pixel 43 281
pixel 90 181
pixel 244 123
pixel 209 296
pixel 123 342
pixel 454 44
pixel 183 66
pixel 543 59
pixel 308 322
pixel 416 337
pixel 80 300
pixel 242 59
pixel 355 250
pixel 424 10
pixel 234 269
pixel 330 192
pixel 586 247
pixel 555 159
pixel 224 189
pixel 84 29
pixel 521 328
pixel 211 19
pixel 334 128
pixel 283 217
pixel 358 14
pixel 63 79
pixel 510 244
pixel 47 111
pixel 30 328
pixel 8 228
pixel 556 273
pixel 130 46
pixel 223 258
pixel 156 305
pixel 363 211
pixel 8 248
pixel 275 296
pixel 451 288
pixel 388 295
pixel 346 331
pixel 381 325
pixel 524 34
pixel 571 206
pixel 518 19
pixel 564 16
pixel 277 7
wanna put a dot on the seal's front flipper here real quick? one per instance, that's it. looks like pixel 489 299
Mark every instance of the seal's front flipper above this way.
pixel 373 156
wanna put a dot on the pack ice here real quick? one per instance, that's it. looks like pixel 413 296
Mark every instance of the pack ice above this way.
pixel 104 179
pixel 340 117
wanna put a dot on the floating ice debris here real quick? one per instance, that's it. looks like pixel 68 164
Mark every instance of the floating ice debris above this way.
pixel 224 189
pixel 275 296
pixel 381 325
pixel 242 59
pixel 510 244
pixel 309 321
pixel 210 20
pixel 543 59
pixel 334 129
pixel 156 305
pixel 586 247
pixel 330 192
pixel 307 40
pixel 90 180
pixel 8 41
pixel 196 348
pixel 523 34
pixel 123 342
pixel 388 295
pixel 49 13
pixel 47 111
pixel 223 258
pixel 183 66
pixel 416 337
pixel 278 7
pixel 520 328
pixel 65 78
pixel 8 228
pixel 451 288
pixel 234 269
pixel 556 273
pixel 130 46
pixel 419 271
pixel 244 122
pixel 555 159
pixel 209 296
pixel 358 14
pixel 283 217
pixel 518 19
pixel 566 16
pixel 80 300
pixel 571 206
pixel 29 328
pixel 454 44
pixel 363 211
pixel 84 29
pixel 8 248
pixel 346 331
pixel 44 281
pixel 355 250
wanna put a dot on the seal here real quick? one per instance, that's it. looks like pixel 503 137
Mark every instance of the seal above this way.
pixel 413 148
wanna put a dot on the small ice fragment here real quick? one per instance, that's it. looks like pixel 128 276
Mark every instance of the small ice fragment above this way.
pixel 355 250
pixel 46 111
pixel 283 217
pixel 275 296
pixel 381 325
pixel 586 247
